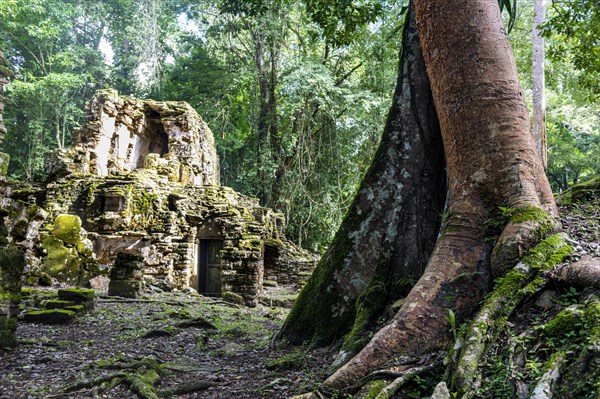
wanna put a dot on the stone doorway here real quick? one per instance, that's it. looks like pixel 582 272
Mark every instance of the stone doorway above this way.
pixel 209 267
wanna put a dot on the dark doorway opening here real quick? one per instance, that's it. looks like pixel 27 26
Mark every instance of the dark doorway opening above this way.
pixel 209 267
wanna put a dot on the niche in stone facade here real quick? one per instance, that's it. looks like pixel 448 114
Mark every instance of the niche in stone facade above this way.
pixel 152 140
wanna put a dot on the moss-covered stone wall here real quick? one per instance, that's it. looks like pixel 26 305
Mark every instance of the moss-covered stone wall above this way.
pixel 142 178
pixel 12 262
pixel 164 221
pixel 5 73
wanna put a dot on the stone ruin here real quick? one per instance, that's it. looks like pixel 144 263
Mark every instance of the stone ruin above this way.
pixel 124 134
pixel 12 260
pixel 142 177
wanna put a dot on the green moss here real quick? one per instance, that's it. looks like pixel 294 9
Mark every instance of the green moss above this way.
pixel 4 161
pixel 294 360
pixel 8 326
pixel 369 306
pixel 91 192
pixel 504 215
pixel 75 308
pixel 32 211
pixel 509 291
pixel 232 297
pixel 12 262
pixel 273 242
pixel 61 262
pixel 529 213
pixel 51 316
pixel 581 192
pixel 250 242
pixel 58 304
pixel 567 320
pixel 29 292
pixel 32 280
pixel 592 319
pixel 144 209
pixel 578 336
pixel 19 230
pixel 143 383
pixel 373 389
pixel 67 228
pixel 44 279
pixel 76 294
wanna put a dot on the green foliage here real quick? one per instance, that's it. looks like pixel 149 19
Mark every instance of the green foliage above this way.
pixel 511 8
pixel 340 19
pixel 573 145
pixel 294 360
pixel 572 112
pixel 574 26
pixel 452 322
pixel 330 103
pixel 327 73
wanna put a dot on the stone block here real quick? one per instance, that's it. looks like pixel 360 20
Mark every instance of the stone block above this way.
pixel 53 316
pixel 58 304
pixel 67 228
pixel 125 288
pixel 77 295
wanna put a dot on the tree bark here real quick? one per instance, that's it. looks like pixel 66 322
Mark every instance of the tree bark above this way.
pixel 267 53
pixel 263 115
pixel 492 162
pixel 389 232
pixel 4 75
pixel 538 82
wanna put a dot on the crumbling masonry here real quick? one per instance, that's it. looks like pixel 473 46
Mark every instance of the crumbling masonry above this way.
pixel 143 177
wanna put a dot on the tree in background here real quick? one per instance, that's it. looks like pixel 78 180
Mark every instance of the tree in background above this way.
pixel 538 82
pixel 303 141
pixel 49 87
pixel 325 99
pixel 57 49
pixel 574 26
pixel 572 113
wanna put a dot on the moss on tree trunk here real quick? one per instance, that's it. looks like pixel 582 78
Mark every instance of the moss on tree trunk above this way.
pixel 392 224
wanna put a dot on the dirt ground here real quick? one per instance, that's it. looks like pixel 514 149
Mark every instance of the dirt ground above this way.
pixel 225 344
pixel 237 355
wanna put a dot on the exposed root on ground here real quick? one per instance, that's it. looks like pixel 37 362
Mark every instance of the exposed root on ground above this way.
pixel 525 279
pixel 140 376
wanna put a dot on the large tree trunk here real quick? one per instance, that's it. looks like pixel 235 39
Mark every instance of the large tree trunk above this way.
pixel 388 235
pixel 538 82
pixel 492 163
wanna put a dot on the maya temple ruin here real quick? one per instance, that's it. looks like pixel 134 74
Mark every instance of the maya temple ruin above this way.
pixel 140 185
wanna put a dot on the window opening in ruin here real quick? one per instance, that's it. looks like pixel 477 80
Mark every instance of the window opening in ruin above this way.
pixel 152 140
pixel 209 267
pixel 111 203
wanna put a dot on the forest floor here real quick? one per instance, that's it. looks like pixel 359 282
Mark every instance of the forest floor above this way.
pixel 193 338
